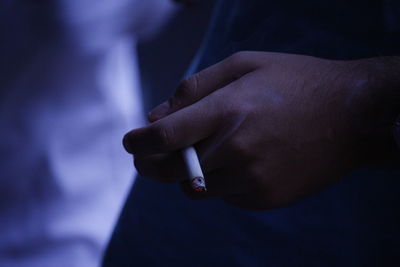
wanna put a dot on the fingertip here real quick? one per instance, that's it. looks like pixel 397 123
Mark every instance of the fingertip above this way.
pixel 126 144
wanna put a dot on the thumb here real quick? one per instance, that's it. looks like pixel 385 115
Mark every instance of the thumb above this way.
pixel 203 83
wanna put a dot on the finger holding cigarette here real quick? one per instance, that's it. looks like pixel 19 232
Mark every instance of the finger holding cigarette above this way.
pixel 194 115
pixel 155 145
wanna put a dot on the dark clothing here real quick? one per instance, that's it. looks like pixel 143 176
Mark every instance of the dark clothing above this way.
pixel 354 223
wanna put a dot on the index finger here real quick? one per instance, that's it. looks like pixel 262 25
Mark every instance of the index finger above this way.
pixel 178 130
pixel 203 83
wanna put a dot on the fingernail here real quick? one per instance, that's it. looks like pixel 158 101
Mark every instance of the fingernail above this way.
pixel 125 143
pixel 159 112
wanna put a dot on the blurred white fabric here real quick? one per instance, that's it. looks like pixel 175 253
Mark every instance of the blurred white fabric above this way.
pixel 68 94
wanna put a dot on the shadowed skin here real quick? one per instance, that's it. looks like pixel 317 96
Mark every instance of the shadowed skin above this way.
pixel 272 128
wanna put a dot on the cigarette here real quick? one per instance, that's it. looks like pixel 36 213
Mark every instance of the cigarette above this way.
pixel 193 167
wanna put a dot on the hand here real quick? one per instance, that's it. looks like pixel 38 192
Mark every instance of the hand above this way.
pixel 270 128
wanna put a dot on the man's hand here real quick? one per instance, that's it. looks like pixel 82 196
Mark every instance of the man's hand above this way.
pixel 270 128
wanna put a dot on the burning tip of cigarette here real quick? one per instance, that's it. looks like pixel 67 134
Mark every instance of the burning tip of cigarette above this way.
pixel 198 184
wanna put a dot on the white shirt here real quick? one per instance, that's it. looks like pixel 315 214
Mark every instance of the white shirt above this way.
pixel 64 107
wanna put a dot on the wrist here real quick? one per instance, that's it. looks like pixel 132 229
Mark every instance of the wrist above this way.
pixel 376 100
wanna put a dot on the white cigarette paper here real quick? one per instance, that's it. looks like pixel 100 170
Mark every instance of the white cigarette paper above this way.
pixel 194 169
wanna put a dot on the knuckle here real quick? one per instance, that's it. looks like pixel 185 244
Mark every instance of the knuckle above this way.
pixel 188 88
pixel 234 110
pixel 239 147
pixel 238 58
pixel 164 136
